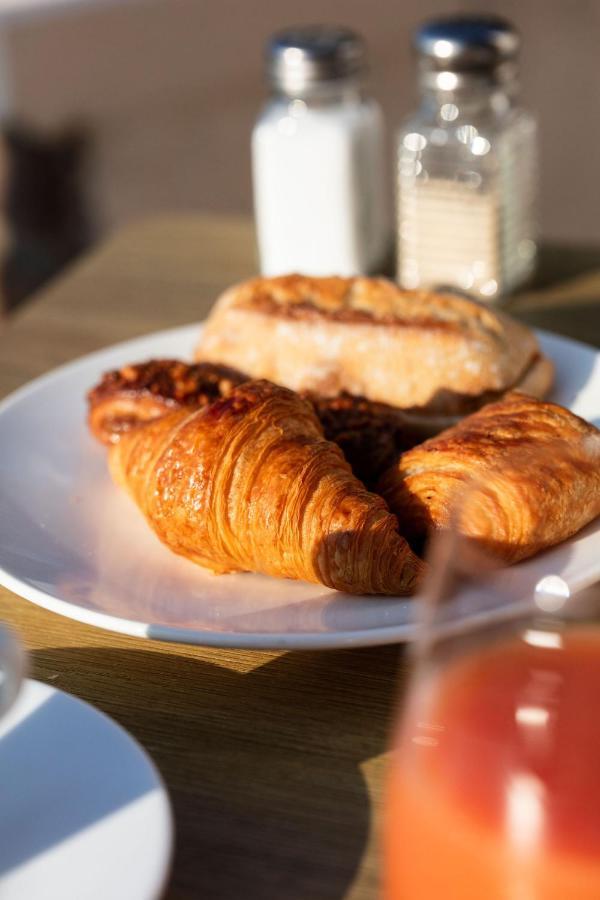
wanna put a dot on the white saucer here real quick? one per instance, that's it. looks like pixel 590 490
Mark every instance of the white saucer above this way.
pixel 84 814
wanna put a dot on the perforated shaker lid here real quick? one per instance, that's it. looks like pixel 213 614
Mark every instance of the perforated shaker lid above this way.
pixel 305 56
pixel 467 43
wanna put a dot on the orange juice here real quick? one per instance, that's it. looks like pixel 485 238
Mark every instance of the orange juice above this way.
pixel 494 791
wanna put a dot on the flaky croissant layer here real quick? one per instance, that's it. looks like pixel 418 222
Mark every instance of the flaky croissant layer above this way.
pixel 525 473
pixel 250 484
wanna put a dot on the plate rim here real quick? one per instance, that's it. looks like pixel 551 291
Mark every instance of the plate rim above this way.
pixel 377 636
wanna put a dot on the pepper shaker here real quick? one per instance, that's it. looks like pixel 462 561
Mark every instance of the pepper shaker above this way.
pixel 467 164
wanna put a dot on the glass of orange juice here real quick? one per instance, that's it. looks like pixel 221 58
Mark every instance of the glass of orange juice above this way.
pixel 494 783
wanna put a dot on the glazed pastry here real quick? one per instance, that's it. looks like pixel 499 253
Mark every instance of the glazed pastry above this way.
pixel 533 469
pixel 137 393
pixel 370 434
pixel 248 483
pixel 433 354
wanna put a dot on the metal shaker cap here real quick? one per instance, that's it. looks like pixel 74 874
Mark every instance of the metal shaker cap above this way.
pixel 467 43
pixel 303 57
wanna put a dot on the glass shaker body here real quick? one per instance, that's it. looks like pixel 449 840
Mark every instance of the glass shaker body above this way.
pixel 467 184
pixel 318 175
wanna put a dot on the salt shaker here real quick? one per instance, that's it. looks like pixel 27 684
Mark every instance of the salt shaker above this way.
pixel 318 158
pixel 467 164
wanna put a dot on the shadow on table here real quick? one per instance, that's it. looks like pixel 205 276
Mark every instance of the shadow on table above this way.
pixel 580 321
pixel 263 768
pixel 560 262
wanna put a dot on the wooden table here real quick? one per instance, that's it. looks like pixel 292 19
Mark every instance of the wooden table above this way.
pixel 274 761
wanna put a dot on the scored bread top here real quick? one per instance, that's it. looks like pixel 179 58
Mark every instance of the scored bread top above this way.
pixel 366 336
pixel 361 299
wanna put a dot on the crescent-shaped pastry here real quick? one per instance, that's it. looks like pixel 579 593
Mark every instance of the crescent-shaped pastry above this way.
pixel 533 470
pixel 248 483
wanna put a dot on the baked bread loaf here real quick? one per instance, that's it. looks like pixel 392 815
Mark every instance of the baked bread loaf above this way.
pixel 248 483
pixel 433 354
pixel 526 472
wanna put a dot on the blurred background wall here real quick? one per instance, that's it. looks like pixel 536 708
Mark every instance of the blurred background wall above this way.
pixel 168 91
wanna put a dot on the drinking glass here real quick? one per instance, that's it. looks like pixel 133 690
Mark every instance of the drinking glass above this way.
pixel 494 782
pixel 12 669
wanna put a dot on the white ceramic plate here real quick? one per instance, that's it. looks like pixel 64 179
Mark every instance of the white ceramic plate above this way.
pixel 73 543
pixel 84 812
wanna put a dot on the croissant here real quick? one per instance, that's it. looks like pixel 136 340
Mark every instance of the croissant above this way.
pixel 370 434
pixel 534 468
pixel 248 483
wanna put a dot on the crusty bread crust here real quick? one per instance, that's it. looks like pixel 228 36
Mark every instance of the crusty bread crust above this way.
pixel 537 379
pixel 367 337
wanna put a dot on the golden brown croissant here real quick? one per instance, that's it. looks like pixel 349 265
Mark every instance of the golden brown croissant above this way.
pixel 534 468
pixel 250 484
pixel 370 434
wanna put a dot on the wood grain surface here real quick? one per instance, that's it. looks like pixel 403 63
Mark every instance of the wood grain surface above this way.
pixel 275 761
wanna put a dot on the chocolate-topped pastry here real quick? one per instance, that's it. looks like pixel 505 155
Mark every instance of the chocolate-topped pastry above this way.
pixel 371 435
